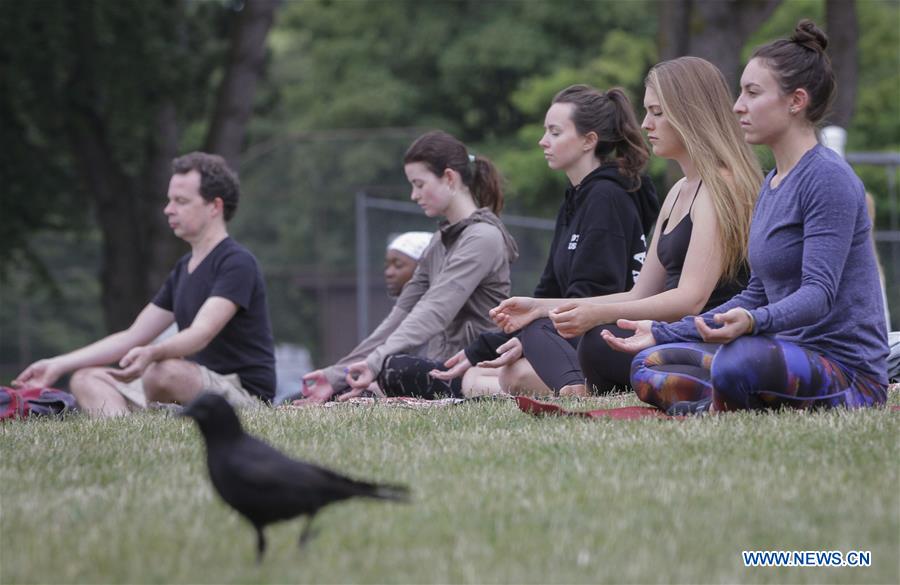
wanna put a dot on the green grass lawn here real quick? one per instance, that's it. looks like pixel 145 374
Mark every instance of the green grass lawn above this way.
pixel 499 497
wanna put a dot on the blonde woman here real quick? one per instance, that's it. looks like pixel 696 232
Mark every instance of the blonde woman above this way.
pixel 697 258
pixel 808 331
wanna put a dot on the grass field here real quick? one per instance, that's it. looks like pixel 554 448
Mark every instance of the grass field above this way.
pixel 499 497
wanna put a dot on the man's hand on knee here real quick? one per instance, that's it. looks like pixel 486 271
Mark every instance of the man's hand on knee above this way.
pixel 134 363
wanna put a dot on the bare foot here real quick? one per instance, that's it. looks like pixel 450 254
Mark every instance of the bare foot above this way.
pixel 579 390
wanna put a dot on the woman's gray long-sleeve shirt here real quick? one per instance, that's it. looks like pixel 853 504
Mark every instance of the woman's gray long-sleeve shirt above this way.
pixel 462 274
pixel 814 279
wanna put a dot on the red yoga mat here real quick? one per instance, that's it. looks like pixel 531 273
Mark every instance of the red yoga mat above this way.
pixel 624 413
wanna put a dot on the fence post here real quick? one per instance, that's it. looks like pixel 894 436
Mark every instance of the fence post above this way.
pixel 362 268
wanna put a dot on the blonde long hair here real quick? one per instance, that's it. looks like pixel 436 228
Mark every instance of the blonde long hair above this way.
pixel 695 99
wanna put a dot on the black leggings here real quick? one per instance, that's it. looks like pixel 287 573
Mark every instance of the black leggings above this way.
pixel 605 368
pixel 553 357
pixel 587 359
pixel 407 375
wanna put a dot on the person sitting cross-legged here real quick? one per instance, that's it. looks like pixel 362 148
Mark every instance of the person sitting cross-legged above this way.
pixel 401 259
pixel 462 273
pixel 809 329
pixel 215 294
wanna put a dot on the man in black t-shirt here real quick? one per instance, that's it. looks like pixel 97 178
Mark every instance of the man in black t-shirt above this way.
pixel 215 294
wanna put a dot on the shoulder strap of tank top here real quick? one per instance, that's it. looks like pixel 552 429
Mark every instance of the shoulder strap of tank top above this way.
pixel 700 184
pixel 671 209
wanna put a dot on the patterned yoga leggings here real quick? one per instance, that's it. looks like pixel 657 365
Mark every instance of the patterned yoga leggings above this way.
pixel 751 372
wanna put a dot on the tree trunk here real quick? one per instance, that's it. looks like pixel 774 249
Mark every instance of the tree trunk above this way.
pixel 123 289
pixel 720 29
pixel 163 248
pixel 138 247
pixel 843 36
pixel 715 30
pixel 246 57
pixel 674 27
pixel 672 42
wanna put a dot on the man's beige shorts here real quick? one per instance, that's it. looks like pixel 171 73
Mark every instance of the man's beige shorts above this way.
pixel 227 385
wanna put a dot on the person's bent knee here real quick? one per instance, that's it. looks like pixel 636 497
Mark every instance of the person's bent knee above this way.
pixel 535 332
pixel 479 381
pixel 165 381
pixel 730 363
pixel 96 393
pixel 734 378
pixel 80 380
pixel 590 349
pixel 645 358
pixel 519 378
pixel 510 377
pixel 86 382
pixel 155 381
pixel 644 380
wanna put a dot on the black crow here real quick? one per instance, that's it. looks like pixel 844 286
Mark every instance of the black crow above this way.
pixel 263 484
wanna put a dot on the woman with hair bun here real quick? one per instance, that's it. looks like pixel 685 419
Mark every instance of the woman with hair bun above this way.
pixel 462 273
pixel 809 330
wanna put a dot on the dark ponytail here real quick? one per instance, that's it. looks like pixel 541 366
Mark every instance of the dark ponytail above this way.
pixel 801 62
pixel 632 151
pixel 486 187
pixel 439 151
pixel 611 116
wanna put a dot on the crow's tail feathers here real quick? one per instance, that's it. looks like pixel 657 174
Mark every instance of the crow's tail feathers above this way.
pixel 397 493
pixel 355 488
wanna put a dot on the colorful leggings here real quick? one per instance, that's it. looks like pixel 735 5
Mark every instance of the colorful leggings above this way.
pixel 751 372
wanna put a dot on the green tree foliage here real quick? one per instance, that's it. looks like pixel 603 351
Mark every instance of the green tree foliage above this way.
pixel 876 123
pixel 85 86
pixel 452 64
pixel 485 71
pixel 876 120
pixel 96 96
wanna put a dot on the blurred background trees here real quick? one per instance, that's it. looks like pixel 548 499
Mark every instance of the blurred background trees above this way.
pixel 99 96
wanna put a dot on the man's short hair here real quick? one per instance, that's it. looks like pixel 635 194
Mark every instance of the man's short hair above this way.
pixel 216 178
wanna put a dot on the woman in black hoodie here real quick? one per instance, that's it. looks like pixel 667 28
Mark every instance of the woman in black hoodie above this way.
pixel 697 258
pixel 598 247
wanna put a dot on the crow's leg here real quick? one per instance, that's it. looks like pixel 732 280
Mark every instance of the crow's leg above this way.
pixel 307 533
pixel 260 544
